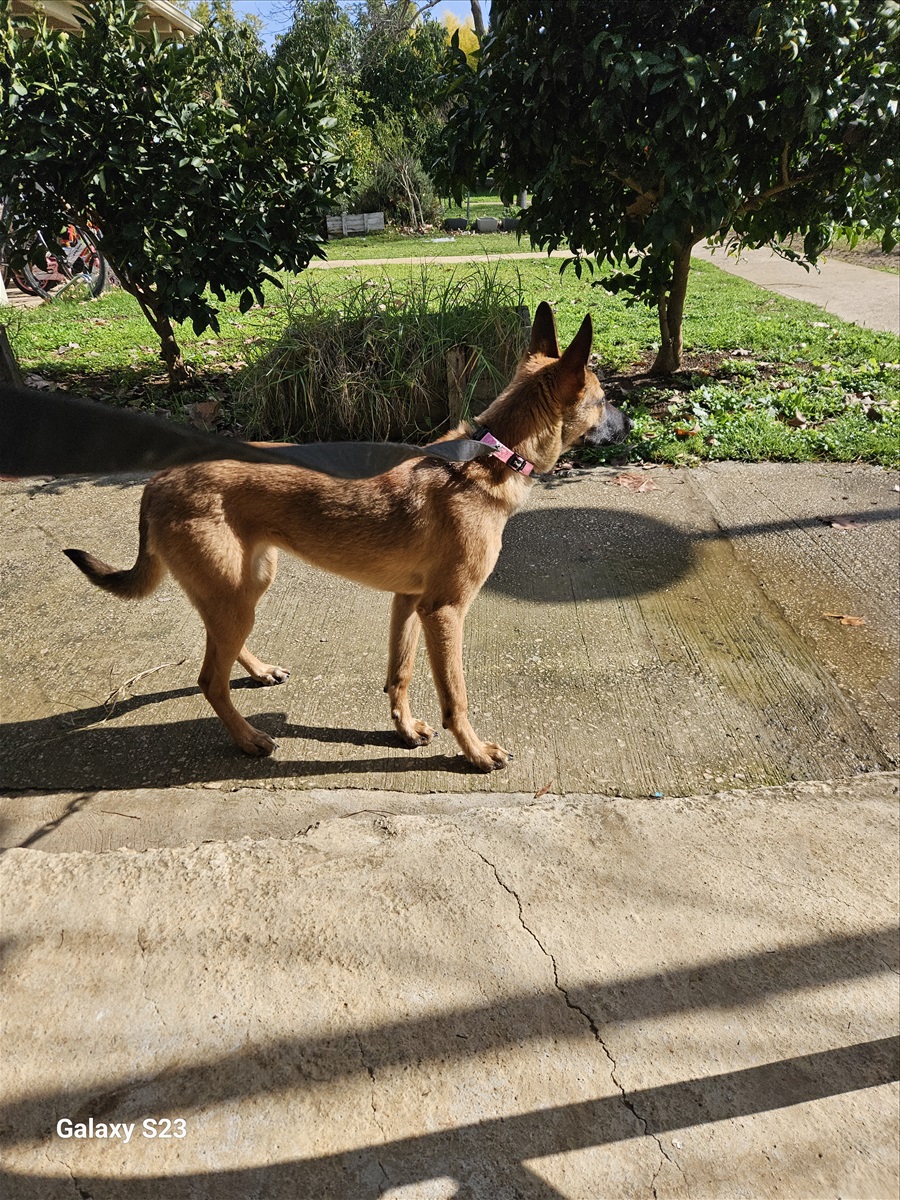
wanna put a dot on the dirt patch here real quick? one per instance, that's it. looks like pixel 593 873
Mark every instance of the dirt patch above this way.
pixel 709 365
pixel 867 254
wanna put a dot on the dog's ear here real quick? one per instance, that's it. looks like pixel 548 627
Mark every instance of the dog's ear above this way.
pixel 543 332
pixel 574 360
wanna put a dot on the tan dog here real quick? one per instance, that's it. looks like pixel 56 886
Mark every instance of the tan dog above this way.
pixel 428 531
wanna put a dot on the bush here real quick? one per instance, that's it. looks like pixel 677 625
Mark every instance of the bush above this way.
pixel 401 189
pixel 377 367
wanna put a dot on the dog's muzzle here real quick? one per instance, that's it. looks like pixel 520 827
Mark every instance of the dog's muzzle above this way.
pixel 614 428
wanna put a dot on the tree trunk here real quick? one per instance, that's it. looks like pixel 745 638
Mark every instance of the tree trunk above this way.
pixel 169 350
pixel 671 313
pixel 477 19
pixel 9 366
pixel 523 199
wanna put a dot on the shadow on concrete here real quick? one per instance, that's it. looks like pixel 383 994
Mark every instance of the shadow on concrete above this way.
pixel 480 1155
pixel 182 752
pixel 555 555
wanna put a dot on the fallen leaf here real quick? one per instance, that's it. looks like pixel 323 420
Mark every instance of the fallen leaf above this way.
pixel 635 483
pixel 839 524
pixel 544 790
pixel 846 620
pixel 203 413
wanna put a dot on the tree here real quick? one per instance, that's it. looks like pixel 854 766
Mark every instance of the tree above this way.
pixel 385 61
pixel 478 20
pixel 323 31
pixel 198 185
pixel 220 14
pixel 466 38
pixel 643 129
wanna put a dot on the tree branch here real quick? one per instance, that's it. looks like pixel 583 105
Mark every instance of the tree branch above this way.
pixel 646 201
pixel 477 19
pixel 755 201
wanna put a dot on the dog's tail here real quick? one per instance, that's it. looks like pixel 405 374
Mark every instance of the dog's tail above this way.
pixel 143 578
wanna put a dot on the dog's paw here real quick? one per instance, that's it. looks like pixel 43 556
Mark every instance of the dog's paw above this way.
pixel 490 757
pixel 257 743
pixel 415 733
pixel 269 675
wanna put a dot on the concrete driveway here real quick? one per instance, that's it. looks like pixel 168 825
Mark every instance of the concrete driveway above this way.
pixel 658 955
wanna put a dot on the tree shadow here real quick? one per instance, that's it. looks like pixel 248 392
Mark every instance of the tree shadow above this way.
pixel 557 555
pixel 485 1157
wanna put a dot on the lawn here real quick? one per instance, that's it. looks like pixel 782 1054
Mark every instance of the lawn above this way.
pixel 436 244
pixel 765 377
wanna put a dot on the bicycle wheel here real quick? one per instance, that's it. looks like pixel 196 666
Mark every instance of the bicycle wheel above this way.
pixel 83 257
pixel 51 274
pixel 42 278
pixel 26 283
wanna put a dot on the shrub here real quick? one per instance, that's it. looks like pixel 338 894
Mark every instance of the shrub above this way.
pixel 401 190
pixel 377 367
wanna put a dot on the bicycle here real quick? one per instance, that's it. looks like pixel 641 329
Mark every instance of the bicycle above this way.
pixel 47 273
pixel 82 262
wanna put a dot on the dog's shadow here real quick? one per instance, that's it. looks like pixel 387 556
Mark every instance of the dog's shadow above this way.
pixel 91 749
pixel 550 556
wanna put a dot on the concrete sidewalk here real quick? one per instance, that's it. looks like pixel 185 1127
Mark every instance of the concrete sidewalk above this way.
pixel 354 970
pixel 586 997
pixel 673 641
pixel 859 294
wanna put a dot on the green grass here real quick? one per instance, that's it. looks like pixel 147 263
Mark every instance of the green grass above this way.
pixel 838 383
pixel 392 244
pixel 481 205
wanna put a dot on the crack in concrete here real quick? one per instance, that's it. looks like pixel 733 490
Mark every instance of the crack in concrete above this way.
pixel 592 1024
pixel 370 1071
pixel 150 999
pixel 85 1195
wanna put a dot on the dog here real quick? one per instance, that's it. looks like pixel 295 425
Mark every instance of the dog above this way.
pixel 427 531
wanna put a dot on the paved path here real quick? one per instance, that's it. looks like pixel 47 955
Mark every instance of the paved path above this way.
pixel 860 294
pixel 358 971
pixel 584 999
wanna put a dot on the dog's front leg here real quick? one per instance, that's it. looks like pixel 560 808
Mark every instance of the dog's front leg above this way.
pixel 443 627
pixel 401 657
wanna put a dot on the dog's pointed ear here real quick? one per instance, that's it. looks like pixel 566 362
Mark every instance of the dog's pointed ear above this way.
pixel 543 332
pixel 577 353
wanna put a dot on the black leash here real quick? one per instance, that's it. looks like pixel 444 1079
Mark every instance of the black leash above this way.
pixel 51 433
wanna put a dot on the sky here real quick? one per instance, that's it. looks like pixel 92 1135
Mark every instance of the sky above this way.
pixel 276 14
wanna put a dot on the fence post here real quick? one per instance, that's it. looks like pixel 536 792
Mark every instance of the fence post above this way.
pixel 457 362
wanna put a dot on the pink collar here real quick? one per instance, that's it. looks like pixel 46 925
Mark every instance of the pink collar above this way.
pixel 516 461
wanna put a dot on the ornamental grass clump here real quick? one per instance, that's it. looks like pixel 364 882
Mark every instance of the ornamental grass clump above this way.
pixel 371 363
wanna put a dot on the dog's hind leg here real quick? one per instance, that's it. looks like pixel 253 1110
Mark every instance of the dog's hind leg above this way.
pixel 263 566
pixel 443 626
pixel 404 638
pixel 224 589
pixel 228 623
